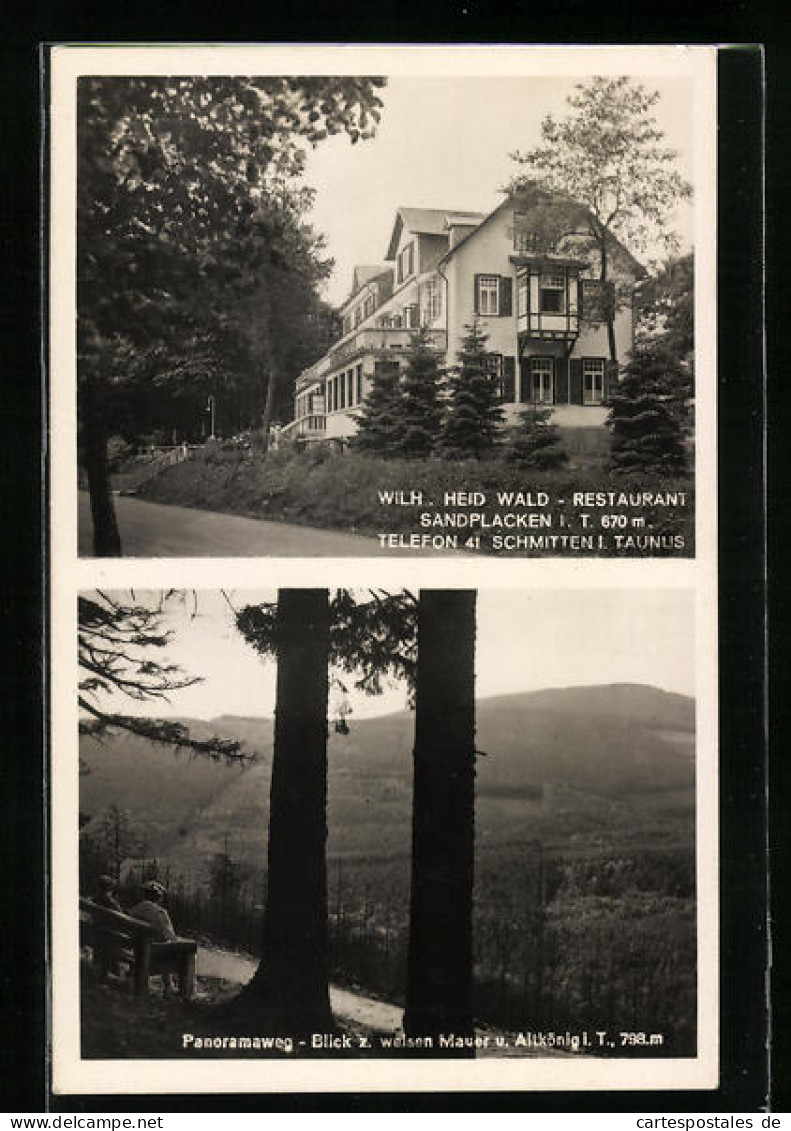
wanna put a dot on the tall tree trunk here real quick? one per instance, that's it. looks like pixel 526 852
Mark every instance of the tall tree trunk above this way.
pixel 608 300
pixel 290 990
pixel 106 538
pixel 439 959
pixel 266 419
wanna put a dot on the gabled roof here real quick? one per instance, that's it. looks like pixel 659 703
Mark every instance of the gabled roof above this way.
pixel 428 221
pixel 361 275
pixel 364 274
pixel 515 199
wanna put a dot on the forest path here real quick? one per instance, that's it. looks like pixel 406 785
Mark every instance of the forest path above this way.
pixel 378 1017
pixel 346 1005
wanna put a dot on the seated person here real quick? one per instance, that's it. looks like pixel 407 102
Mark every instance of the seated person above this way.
pixel 151 909
pixel 106 894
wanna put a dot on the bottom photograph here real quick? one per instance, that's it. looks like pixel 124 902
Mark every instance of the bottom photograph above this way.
pixel 447 823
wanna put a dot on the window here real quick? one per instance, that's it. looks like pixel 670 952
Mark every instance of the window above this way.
pixel 492 363
pixel 347 323
pixel 349 387
pixel 358 315
pixel 542 383
pixel 553 294
pixel 522 292
pixel 433 300
pixel 369 305
pixel 405 263
pixel 592 380
pixel 488 294
pixel 359 376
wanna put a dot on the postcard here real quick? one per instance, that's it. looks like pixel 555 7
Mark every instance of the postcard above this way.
pixel 384 630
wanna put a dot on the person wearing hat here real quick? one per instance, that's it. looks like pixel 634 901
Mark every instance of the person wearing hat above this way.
pixel 151 910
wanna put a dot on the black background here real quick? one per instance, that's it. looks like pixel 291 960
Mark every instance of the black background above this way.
pixel 745 1081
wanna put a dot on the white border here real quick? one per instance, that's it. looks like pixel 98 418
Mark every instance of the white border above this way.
pixel 71 1074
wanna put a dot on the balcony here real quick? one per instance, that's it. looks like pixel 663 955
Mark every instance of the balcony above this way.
pixel 379 340
pixel 549 326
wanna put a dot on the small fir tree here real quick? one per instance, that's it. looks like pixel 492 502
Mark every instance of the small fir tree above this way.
pixel 420 411
pixel 536 442
pixel 380 425
pixel 647 413
pixel 473 416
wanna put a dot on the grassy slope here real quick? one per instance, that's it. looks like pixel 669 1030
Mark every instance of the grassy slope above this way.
pixel 341 491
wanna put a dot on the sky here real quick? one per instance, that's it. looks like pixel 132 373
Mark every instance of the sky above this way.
pixel 445 143
pixel 526 640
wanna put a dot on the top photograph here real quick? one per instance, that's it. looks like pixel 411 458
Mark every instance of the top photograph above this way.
pixel 421 310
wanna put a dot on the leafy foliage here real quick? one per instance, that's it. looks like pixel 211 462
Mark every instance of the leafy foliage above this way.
pixel 190 228
pixel 666 311
pixel 473 414
pixel 606 156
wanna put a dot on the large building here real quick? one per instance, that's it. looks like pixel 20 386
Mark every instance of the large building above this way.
pixel 443 269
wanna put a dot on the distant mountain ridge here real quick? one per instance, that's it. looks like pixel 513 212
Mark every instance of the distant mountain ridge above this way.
pixel 607 743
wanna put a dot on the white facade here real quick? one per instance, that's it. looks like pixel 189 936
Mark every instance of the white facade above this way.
pixel 443 270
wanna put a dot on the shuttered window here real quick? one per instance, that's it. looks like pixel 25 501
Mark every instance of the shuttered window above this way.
pixel 405 263
pixel 488 295
pixel 493 295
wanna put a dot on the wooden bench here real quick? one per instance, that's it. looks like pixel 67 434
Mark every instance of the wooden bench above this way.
pixel 115 937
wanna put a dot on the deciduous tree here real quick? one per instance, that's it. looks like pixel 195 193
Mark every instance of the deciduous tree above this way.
pixel 188 196
pixel 610 178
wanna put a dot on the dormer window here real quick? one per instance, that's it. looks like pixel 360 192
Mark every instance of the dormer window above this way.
pixel 406 264
pixel 370 303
